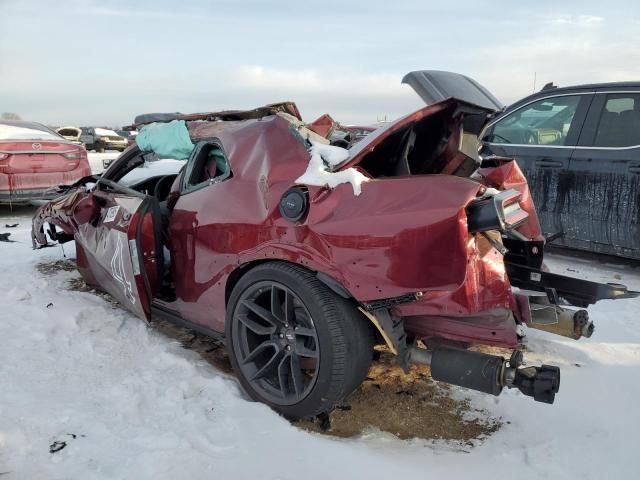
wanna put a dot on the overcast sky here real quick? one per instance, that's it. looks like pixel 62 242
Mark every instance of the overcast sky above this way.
pixel 102 62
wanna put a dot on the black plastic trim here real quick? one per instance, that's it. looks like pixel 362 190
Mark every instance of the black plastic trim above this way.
pixel 174 317
pixel 577 292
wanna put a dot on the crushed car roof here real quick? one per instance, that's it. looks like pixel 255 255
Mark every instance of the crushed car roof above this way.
pixel 227 115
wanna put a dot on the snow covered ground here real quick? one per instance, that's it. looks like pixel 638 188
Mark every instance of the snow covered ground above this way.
pixel 131 403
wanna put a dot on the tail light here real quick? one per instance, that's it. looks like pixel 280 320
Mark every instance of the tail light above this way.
pixel 78 154
pixel 75 155
pixel 498 212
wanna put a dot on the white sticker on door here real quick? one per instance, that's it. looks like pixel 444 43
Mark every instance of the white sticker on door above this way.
pixel 111 214
pixel 118 271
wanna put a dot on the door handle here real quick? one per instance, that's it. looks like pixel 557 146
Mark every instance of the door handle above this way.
pixel 548 163
pixel 635 170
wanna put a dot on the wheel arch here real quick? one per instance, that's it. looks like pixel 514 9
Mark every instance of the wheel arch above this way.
pixel 329 280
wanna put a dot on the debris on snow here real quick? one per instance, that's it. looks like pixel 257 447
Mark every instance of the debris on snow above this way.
pixel 319 173
pixel 57 446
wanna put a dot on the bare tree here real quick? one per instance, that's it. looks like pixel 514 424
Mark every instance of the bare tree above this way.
pixel 10 116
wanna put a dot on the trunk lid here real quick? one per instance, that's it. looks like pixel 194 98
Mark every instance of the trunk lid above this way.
pixel 433 86
pixel 35 157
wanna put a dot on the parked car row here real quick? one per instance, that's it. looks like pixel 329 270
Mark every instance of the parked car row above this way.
pixel 99 139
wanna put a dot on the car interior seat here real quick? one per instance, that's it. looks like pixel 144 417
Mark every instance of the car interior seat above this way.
pixel 608 129
pixel 214 165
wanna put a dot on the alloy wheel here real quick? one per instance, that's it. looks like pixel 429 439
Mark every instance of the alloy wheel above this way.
pixel 276 342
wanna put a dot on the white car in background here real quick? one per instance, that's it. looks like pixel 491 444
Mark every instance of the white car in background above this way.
pixel 71 133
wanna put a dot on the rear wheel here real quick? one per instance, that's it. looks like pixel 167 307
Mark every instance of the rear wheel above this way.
pixel 294 344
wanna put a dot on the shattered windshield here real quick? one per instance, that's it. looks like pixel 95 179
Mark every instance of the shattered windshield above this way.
pixel 152 167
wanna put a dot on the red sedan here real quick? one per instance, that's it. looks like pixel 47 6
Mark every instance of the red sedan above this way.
pixel 302 255
pixel 34 160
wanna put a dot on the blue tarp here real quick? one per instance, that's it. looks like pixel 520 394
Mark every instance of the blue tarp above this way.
pixel 167 140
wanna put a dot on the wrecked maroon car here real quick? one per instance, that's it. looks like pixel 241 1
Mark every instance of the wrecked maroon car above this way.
pixel 303 256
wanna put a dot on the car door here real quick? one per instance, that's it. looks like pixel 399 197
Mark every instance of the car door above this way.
pixel 606 169
pixel 540 135
pixel 120 245
pixel 204 221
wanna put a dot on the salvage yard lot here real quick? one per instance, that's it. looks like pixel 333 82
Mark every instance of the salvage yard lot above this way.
pixel 114 398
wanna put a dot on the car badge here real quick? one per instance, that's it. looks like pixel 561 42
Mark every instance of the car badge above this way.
pixel 36 146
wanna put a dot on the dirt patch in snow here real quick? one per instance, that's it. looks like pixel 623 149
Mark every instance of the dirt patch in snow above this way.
pixel 50 268
pixel 407 406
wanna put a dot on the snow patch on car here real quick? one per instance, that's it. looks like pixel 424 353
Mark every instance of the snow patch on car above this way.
pixel 319 173
pixel 106 133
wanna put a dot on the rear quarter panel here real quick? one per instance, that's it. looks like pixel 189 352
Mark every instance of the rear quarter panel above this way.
pixel 399 236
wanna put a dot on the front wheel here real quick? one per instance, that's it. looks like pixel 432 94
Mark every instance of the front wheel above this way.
pixel 294 344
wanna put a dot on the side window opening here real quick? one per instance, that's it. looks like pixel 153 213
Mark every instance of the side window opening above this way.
pixel 544 122
pixel 209 165
pixel 619 124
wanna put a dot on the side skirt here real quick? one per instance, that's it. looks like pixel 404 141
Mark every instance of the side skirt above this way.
pixel 171 316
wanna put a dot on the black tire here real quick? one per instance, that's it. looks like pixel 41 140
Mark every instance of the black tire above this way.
pixel 343 340
pixel 100 148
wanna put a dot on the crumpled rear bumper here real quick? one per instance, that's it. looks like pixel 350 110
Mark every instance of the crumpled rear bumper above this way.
pixel 495 327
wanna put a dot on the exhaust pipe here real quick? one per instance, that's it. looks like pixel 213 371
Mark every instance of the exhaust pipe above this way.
pixel 541 313
pixel 568 323
pixel 489 373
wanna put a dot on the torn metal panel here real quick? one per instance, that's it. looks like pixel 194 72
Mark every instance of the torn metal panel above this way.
pixel 323 126
pixel 432 140
pixel 223 115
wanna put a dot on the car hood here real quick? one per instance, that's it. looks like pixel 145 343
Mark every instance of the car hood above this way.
pixel 433 86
